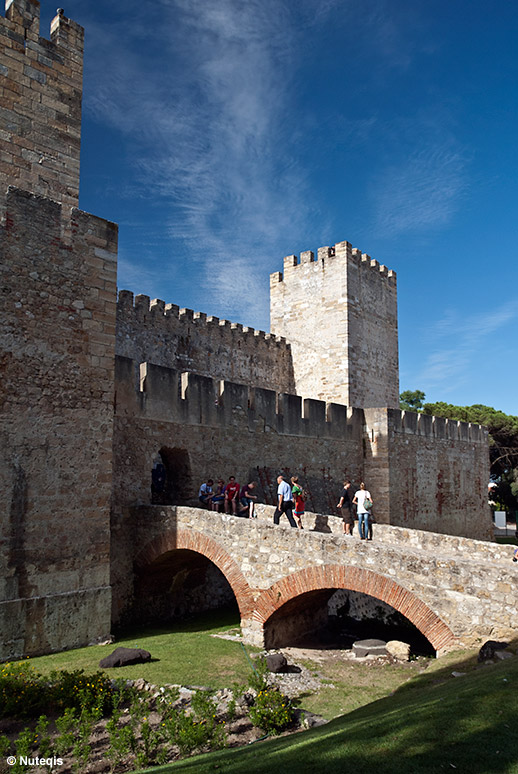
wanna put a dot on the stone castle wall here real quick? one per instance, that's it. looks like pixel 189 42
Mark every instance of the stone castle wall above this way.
pixel 349 352
pixel 56 423
pixel 168 336
pixel 428 472
pixel 40 103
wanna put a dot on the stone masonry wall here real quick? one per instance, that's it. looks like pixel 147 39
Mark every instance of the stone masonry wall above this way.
pixel 339 313
pixel 428 472
pixel 58 280
pixel 40 103
pixel 166 335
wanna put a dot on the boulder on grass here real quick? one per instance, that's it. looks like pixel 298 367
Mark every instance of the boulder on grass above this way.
pixel 364 648
pixel 125 656
pixel 489 648
pixel 276 662
pixel 399 650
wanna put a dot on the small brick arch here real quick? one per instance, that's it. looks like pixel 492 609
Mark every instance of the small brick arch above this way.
pixel 205 545
pixel 355 579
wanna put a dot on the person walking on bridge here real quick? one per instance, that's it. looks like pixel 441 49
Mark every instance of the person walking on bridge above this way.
pixel 363 501
pixel 284 502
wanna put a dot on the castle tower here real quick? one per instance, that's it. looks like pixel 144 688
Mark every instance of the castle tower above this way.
pixel 339 312
pixel 58 269
pixel 40 103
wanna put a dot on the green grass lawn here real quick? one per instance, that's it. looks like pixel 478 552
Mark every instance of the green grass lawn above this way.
pixel 434 724
pixel 184 654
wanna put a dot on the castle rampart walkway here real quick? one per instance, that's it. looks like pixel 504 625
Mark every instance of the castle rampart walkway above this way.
pixel 455 590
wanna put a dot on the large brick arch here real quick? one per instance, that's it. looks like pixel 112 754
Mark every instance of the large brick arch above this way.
pixel 355 579
pixel 191 540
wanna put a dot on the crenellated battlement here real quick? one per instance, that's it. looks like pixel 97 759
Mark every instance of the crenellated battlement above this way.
pixel 167 395
pixel 142 308
pixel 41 84
pixel 334 254
pixel 170 395
pixel 409 422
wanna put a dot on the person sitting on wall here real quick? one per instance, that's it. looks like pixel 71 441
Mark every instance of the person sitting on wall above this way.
pixel 300 503
pixel 231 496
pixel 284 502
pixel 248 500
pixel 219 496
pixel 206 494
pixel 345 506
pixel 363 501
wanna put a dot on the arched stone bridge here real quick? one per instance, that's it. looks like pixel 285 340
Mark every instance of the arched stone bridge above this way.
pixel 456 591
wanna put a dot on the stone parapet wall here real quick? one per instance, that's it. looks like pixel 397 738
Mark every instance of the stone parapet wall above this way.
pixel 349 352
pixel 40 103
pixel 58 273
pixel 456 591
pixel 164 334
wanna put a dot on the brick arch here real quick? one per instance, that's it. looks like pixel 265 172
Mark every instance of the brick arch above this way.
pixel 191 540
pixel 355 579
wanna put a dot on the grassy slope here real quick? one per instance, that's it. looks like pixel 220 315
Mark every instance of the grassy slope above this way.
pixel 434 724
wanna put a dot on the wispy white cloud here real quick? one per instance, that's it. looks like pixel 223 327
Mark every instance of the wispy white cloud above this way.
pixel 422 191
pixel 213 135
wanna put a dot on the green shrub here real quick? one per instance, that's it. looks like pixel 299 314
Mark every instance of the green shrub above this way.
pixel 195 731
pixel 23 692
pixel 83 692
pixel 271 711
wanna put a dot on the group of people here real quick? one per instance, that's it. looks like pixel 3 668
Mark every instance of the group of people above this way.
pixel 363 501
pixel 231 497
pixel 291 502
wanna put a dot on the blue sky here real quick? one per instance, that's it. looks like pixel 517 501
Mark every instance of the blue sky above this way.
pixel 223 135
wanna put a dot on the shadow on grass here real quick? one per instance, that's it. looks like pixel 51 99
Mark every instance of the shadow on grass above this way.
pixel 436 723
pixel 222 619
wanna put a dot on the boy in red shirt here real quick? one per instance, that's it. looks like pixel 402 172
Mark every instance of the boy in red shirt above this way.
pixel 232 495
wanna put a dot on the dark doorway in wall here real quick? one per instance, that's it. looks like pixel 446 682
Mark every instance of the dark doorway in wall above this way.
pixel 176 488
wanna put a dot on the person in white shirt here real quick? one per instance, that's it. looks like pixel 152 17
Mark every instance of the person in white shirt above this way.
pixel 284 502
pixel 363 501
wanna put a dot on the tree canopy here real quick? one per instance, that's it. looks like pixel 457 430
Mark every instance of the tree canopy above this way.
pixel 411 400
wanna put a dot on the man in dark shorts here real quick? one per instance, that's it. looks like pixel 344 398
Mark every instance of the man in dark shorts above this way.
pixel 345 506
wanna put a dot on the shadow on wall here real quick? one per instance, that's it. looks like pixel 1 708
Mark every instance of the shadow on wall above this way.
pixel 171 477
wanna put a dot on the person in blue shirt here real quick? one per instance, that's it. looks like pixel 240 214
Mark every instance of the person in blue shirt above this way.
pixel 284 502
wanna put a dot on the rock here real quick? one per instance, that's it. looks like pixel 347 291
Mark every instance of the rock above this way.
pixel 276 662
pixel 503 654
pixel 458 674
pixel 363 648
pixel 124 656
pixel 399 650
pixel 489 648
pixel 309 719
pixel 140 684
